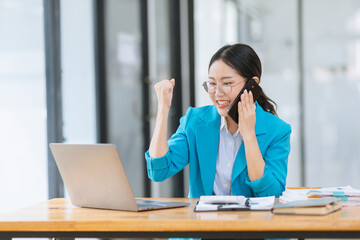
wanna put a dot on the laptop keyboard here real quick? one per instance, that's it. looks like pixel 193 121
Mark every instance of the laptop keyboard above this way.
pixel 147 203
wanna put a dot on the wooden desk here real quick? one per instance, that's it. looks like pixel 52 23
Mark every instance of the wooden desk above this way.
pixel 59 219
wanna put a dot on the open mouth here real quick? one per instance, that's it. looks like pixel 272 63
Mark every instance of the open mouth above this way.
pixel 223 104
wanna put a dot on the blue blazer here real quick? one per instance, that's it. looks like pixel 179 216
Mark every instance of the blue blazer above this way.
pixel 196 143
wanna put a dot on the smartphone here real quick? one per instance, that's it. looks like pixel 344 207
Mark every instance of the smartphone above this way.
pixel 250 85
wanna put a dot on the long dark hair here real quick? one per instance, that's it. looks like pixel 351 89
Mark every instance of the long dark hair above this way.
pixel 246 62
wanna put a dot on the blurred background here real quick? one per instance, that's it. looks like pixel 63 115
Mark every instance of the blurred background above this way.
pixel 83 72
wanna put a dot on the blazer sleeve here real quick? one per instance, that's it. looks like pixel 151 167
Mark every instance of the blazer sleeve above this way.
pixel 177 157
pixel 276 159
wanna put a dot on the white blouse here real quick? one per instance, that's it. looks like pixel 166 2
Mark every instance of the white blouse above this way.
pixel 228 148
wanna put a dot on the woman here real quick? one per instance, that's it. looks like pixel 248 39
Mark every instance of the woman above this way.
pixel 224 158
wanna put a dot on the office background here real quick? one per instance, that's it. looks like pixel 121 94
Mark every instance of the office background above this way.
pixel 83 72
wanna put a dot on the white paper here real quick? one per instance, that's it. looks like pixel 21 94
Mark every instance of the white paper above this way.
pixel 211 203
pixel 223 199
pixel 352 195
pixel 262 203
pixel 347 191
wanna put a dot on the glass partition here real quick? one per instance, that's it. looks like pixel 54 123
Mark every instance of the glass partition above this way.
pixel 23 155
pixel 159 56
pixel 78 81
pixel 332 92
pixel 123 71
pixel 323 68
pixel 256 23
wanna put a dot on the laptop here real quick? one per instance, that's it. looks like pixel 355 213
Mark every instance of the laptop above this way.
pixel 95 177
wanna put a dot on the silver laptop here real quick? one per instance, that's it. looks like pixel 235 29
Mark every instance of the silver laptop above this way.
pixel 95 177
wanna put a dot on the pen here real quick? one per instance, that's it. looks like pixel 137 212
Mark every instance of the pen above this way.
pixel 314 196
pixel 247 202
pixel 225 203
pixel 234 208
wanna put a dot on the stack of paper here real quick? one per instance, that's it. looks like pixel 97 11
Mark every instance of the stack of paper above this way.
pixel 348 195
pixel 290 195
pixel 233 203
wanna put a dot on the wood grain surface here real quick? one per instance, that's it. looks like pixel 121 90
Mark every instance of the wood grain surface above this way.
pixel 61 215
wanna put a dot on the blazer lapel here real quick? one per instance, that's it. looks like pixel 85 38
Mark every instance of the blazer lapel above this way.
pixel 207 145
pixel 260 128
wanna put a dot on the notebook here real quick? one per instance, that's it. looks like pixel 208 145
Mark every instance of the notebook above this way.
pixel 321 206
pixel 94 176
pixel 234 203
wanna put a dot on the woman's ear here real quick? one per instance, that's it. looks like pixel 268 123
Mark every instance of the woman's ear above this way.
pixel 257 80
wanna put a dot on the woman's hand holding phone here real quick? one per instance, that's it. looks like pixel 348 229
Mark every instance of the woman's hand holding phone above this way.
pixel 247 116
pixel 164 93
pixel 250 86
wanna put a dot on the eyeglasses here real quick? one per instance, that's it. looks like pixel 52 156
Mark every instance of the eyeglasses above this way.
pixel 226 88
